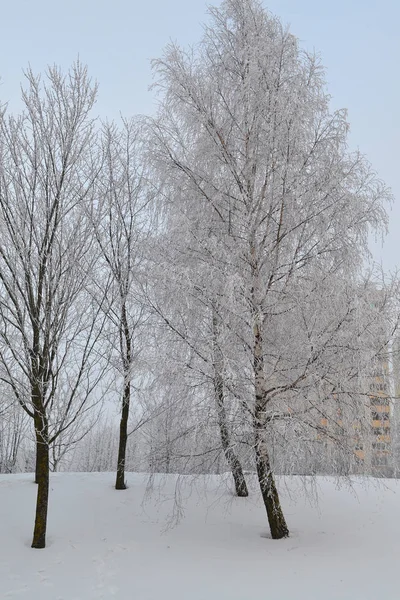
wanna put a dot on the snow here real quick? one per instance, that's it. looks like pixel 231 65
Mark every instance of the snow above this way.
pixel 104 544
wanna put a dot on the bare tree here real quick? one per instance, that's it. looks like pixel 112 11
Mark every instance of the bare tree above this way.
pixel 121 225
pixel 50 326
pixel 13 431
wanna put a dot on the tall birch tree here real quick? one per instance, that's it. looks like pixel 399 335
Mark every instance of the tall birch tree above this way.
pixel 250 148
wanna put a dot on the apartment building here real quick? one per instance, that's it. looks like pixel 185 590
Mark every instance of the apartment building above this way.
pixel 369 442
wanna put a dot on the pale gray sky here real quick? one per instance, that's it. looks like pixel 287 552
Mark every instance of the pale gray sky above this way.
pixel 357 39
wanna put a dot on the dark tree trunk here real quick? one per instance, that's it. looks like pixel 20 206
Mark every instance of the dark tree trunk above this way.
pixel 42 474
pixel 126 353
pixel 123 439
pixel 37 465
pixel 269 492
pixel 230 455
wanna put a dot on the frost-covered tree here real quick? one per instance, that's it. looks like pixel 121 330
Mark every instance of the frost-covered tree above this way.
pixel 13 433
pixel 277 212
pixel 122 220
pixel 62 449
pixel 98 450
pixel 49 324
pixel 190 335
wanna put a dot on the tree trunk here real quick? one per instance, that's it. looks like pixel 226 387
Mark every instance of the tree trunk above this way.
pixel 230 455
pixel 126 353
pixel 123 439
pixel 269 492
pixel 37 464
pixel 42 474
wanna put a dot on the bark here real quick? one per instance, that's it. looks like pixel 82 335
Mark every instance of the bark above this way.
pixel 42 474
pixel 37 464
pixel 123 439
pixel 269 492
pixel 168 461
pixel 230 455
pixel 123 428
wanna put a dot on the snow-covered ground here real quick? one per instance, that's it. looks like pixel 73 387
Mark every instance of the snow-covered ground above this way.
pixel 107 544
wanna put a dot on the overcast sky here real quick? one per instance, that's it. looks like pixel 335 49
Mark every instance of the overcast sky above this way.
pixel 358 41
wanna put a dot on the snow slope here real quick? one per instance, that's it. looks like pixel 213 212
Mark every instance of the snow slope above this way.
pixel 104 544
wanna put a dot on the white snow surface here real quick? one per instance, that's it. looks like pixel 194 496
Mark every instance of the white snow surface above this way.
pixel 104 544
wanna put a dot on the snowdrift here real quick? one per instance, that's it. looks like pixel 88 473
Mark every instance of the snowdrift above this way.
pixel 126 545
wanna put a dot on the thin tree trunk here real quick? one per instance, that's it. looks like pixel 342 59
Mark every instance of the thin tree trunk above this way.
pixel 168 461
pixel 42 473
pixel 269 492
pixel 230 455
pixel 125 341
pixel 123 439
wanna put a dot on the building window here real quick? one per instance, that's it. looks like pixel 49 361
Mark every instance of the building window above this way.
pixel 379 446
pixel 380 416
pixel 381 430
pixel 380 460
pixel 378 373
pixel 377 401
pixel 378 387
